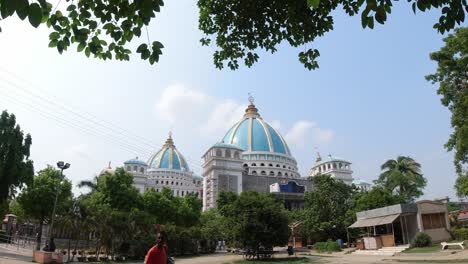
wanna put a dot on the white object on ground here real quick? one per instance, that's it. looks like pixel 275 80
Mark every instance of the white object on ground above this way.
pixel 445 244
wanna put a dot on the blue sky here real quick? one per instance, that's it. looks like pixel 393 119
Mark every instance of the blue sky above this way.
pixel 367 103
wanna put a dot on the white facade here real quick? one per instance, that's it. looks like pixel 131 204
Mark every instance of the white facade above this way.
pixel 167 168
pixel 337 168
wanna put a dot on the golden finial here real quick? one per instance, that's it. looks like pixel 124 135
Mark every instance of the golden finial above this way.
pixel 169 140
pixel 251 110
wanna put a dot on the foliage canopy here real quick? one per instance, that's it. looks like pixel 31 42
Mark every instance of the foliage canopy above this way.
pixel 403 177
pixel 16 169
pixel 327 208
pixel 255 219
pixel 452 77
pixel 239 29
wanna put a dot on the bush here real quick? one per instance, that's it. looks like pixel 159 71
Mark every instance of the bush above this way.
pixel 329 246
pixel 422 240
pixel 460 234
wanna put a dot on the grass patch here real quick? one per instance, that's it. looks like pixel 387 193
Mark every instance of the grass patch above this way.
pixel 431 249
pixel 276 261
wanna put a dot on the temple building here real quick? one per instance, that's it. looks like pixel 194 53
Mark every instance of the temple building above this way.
pixel 252 156
pixel 166 168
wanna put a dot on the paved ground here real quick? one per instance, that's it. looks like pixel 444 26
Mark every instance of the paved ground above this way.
pixel 12 256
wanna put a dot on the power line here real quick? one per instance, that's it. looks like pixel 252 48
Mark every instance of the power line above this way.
pixel 142 146
pixel 65 122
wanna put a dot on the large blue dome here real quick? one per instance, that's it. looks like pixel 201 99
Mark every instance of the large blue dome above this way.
pixel 252 133
pixel 168 158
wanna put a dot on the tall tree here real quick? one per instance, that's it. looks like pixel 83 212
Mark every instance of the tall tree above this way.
pixel 375 198
pixel 403 177
pixel 256 219
pixel 37 200
pixel 104 29
pixel 452 77
pixel 461 185
pixel 16 169
pixel 326 208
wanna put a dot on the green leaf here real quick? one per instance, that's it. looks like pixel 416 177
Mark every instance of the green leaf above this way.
pixel 313 3
pixel 157 45
pixel 22 12
pixel 142 48
pixel 53 43
pixel 54 35
pixel 35 14
pixel 370 22
pixel 87 52
pixel 81 46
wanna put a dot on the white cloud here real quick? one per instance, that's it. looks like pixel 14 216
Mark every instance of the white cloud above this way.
pixel 302 131
pixel 182 105
pixel 178 102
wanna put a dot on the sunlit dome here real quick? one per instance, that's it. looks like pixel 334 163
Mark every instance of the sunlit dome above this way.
pixel 168 157
pixel 252 133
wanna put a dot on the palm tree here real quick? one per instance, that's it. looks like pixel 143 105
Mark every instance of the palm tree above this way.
pixel 402 177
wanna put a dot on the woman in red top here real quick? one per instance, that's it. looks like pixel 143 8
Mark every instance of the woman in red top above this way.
pixel 157 254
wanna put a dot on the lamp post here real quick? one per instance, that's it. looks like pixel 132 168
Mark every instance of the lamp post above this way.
pixel 62 166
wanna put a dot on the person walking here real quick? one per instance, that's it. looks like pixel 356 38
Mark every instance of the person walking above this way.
pixel 158 253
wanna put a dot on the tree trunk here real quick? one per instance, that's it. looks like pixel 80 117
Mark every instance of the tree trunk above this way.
pixel 39 236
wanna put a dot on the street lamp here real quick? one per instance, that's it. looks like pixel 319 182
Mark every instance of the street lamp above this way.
pixel 62 166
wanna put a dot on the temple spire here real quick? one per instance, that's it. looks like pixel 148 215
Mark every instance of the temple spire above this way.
pixel 251 110
pixel 169 141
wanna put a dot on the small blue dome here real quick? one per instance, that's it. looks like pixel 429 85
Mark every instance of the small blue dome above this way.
pixel 361 182
pixel 252 133
pixel 135 161
pixel 168 158
pixel 225 145
pixel 197 177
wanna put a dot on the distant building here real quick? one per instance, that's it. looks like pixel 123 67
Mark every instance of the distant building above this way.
pixel 337 168
pixel 362 185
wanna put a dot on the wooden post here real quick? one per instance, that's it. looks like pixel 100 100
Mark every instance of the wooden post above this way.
pixel 402 230
pixel 393 232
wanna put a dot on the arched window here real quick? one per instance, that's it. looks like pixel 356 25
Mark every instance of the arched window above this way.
pixel 219 153
pixel 278 166
pixel 157 182
pixel 228 153
pixel 254 164
pixel 262 164
pixel 254 172
pixel 280 174
pixel 135 168
pixel 167 182
pixel 284 166
pixel 236 154
pixel 286 174
pixel 263 173
pixel 272 173
pixel 182 193
pixel 341 165
pixel 177 192
pixel 245 165
pixel 129 168
pixel 177 183
pixel 142 170
pixel 289 167
pixel 157 190
pixel 271 165
pixel 334 165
